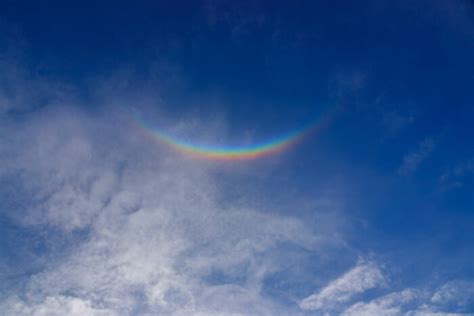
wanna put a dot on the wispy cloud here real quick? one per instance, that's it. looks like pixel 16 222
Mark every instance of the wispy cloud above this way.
pixel 457 293
pixel 411 161
pixel 454 177
pixel 452 298
pixel 136 228
pixel 343 296
pixel 387 305
pixel 53 306
pixel 362 277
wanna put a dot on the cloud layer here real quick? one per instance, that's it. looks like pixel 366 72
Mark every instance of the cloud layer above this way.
pixel 144 231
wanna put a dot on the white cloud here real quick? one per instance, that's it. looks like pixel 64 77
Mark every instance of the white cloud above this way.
pixel 388 305
pixel 158 237
pixel 362 277
pixel 450 299
pixel 429 312
pixel 459 293
pixel 53 306
pixel 66 178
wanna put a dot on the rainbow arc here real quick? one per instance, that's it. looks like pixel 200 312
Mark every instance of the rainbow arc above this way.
pixel 232 152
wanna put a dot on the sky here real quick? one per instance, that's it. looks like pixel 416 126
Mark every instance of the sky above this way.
pixel 237 158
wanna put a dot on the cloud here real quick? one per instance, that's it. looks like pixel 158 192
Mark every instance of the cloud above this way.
pixel 131 228
pixel 362 277
pixel 434 313
pixel 412 160
pixel 454 177
pixel 23 89
pixel 388 305
pixel 343 296
pixel 457 293
pixel 62 178
pixel 452 298
pixel 53 306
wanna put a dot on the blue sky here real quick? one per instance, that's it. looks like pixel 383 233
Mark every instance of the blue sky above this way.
pixel 370 214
